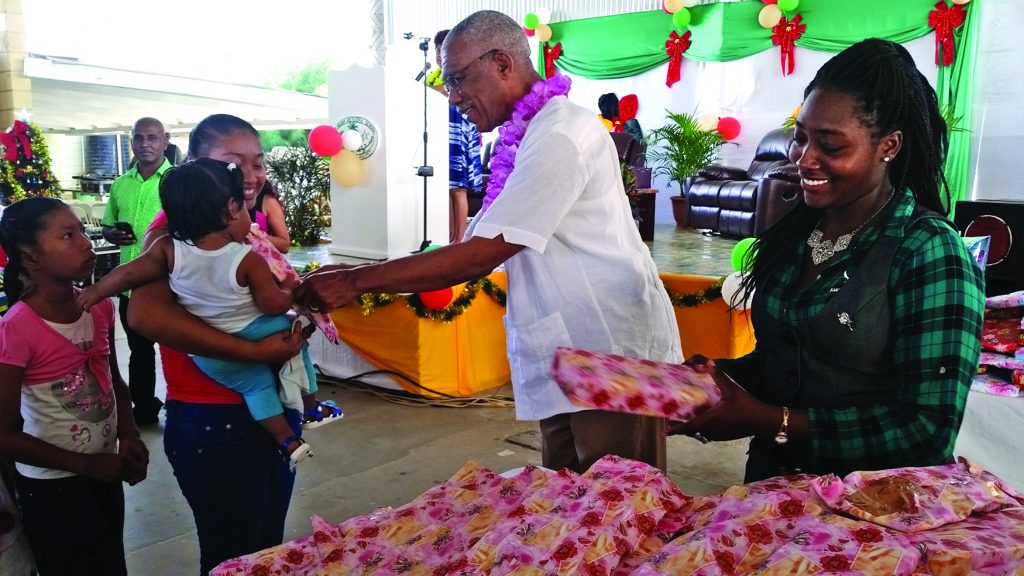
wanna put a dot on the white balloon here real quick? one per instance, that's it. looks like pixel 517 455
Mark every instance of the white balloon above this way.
pixel 351 140
pixel 731 287
pixel 543 15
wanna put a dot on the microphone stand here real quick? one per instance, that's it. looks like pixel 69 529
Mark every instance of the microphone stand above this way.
pixel 425 171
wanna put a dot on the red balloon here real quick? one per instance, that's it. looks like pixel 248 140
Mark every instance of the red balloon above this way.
pixel 437 299
pixel 325 140
pixel 530 32
pixel 729 128
pixel 770 1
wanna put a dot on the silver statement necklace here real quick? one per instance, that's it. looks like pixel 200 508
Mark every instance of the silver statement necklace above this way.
pixel 825 250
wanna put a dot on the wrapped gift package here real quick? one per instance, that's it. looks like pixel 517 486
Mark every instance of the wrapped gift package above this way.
pixel 633 385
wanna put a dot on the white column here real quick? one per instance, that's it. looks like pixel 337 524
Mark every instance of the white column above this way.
pixel 383 215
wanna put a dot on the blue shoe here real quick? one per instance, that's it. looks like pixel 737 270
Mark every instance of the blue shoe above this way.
pixel 325 412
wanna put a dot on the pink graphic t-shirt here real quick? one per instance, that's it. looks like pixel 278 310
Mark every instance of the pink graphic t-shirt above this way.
pixel 67 398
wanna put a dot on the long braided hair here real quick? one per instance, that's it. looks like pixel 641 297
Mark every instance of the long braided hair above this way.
pixel 892 94
pixel 19 227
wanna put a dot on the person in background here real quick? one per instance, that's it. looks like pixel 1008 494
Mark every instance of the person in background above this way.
pixel 133 203
pixel 268 214
pixel 172 152
pixel 866 305
pixel 571 282
pixel 228 468
pixel 608 104
pixel 464 171
pixel 65 417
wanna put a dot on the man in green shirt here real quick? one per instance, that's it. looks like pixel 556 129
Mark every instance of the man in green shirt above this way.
pixel 134 202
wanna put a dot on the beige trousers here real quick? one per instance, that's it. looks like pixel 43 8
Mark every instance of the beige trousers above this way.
pixel 579 439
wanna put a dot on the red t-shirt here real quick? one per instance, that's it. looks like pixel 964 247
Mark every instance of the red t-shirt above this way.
pixel 185 381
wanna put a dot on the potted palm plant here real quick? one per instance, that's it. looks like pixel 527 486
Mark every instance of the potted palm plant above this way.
pixel 678 150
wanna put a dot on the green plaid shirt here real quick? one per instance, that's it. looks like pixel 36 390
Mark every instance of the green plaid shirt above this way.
pixel 937 298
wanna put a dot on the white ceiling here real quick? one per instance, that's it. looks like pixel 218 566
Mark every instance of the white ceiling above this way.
pixel 69 97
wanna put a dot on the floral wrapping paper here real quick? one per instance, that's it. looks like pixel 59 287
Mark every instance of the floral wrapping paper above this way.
pixel 632 385
pixel 995 539
pixel 1012 300
pixel 996 385
pixel 915 499
pixel 1000 335
pixel 623 517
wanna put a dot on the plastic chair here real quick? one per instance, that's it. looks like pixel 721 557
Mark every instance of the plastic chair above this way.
pixel 83 211
pixel 97 212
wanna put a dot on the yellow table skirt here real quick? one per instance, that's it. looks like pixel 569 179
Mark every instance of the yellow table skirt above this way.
pixel 468 354
pixel 710 329
pixel 457 358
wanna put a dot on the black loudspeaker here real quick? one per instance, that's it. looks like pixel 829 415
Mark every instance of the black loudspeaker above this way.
pixel 1003 220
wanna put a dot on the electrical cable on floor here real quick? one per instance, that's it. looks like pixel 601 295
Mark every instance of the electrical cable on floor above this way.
pixel 492 399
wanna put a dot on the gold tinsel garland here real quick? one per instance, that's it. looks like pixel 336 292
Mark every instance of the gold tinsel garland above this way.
pixel 693 299
pixel 371 302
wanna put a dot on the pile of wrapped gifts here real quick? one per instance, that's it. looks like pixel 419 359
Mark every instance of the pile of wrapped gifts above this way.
pixel 1001 368
pixel 624 517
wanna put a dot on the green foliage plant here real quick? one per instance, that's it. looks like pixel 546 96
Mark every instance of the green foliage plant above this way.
pixel 303 181
pixel 680 148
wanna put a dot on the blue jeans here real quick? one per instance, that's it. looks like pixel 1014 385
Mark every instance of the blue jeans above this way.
pixel 230 471
pixel 257 383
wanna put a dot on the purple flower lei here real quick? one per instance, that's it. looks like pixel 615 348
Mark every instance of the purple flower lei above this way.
pixel 511 133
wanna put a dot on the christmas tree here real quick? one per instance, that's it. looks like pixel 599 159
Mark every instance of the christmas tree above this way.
pixel 25 160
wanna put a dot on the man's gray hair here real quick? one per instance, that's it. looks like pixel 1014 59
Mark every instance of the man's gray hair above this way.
pixel 490 29
pixel 147 121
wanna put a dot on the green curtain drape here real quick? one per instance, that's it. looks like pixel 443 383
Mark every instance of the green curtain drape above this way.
pixel 629 44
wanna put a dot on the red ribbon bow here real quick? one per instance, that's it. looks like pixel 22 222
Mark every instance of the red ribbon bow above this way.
pixel 10 140
pixel 551 53
pixel 628 105
pixel 944 19
pixel 784 34
pixel 675 46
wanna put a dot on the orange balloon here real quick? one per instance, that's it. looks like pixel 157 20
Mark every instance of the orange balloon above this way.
pixel 770 16
pixel 347 169
pixel 543 32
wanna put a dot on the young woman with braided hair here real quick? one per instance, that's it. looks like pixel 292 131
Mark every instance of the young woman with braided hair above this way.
pixel 866 304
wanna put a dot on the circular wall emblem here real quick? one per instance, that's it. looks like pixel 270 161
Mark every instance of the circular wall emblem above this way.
pixel 365 127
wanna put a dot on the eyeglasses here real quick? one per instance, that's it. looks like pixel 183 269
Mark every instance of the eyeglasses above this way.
pixel 454 81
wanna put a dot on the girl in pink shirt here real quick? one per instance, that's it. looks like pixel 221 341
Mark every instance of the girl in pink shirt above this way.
pixel 65 416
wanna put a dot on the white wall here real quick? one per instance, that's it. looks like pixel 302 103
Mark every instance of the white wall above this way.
pixel 67 158
pixel 998 133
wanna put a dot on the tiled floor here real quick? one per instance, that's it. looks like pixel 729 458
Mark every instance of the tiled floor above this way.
pixel 384 454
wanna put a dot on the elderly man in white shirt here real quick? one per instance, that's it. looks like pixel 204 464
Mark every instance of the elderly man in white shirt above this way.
pixel 559 220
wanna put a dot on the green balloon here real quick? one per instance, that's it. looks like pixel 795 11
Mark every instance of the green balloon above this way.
pixel 739 254
pixel 431 247
pixel 681 19
pixel 788 5
pixel 531 21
